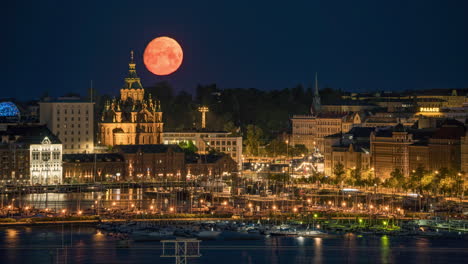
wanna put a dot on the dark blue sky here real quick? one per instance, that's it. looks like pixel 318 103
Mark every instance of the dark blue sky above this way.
pixel 60 46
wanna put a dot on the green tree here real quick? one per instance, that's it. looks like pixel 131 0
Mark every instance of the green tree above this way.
pixel 339 173
pixel 231 127
pixel 188 146
pixel 253 141
pixel 397 179
pixel 415 179
pixel 276 147
pixel 355 177
pixel 299 150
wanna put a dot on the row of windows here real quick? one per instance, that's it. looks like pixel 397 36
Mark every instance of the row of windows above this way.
pixel 228 143
pixel 72 125
pixel 72 119
pixel 45 155
pixel 72 111
pixel 73 139
pixel 73 132
pixel 225 149
pixel 72 146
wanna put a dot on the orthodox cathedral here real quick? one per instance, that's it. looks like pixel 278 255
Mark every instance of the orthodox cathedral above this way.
pixel 133 119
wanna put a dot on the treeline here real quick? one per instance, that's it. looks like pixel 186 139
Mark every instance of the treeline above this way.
pixel 235 109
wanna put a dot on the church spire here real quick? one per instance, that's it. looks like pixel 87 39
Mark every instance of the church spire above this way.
pixel 132 81
pixel 316 93
pixel 315 108
pixel 132 87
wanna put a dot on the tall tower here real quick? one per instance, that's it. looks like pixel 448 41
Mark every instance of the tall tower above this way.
pixel 315 108
pixel 132 87
pixel 203 110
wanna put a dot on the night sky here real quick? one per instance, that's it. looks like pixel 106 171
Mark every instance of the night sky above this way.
pixel 59 46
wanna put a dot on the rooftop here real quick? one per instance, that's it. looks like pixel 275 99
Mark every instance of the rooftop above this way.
pixel 156 148
pixel 101 157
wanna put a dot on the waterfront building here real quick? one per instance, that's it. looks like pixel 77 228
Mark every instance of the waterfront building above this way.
pixel 135 118
pixel 206 141
pixel 215 165
pixel 151 162
pixel 311 130
pixel 46 162
pixel 351 149
pixel 72 120
pixel 464 153
pixel 30 154
pixel 79 168
pixel 407 148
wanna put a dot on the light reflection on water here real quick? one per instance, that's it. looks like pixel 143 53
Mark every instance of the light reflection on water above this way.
pixel 385 249
pixel 111 198
pixel 317 250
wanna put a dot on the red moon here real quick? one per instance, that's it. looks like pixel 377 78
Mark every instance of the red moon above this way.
pixel 163 56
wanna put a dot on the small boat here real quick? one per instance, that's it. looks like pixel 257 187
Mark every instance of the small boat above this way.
pixel 311 233
pixel 283 233
pixel 208 235
pixel 233 235
pixel 152 236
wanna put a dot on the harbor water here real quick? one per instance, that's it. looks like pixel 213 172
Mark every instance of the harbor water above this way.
pixel 86 244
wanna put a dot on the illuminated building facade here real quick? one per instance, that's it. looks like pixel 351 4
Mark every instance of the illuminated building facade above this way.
pixel 206 141
pixel 351 149
pixel 93 167
pixel 407 149
pixel 132 119
pixel 46 162
pixel 311 130
pixel 72 120
pixel 464 153
pixel 148 162
pixel 215 165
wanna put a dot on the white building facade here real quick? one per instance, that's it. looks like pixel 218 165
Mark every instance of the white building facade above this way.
pixel 46 163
